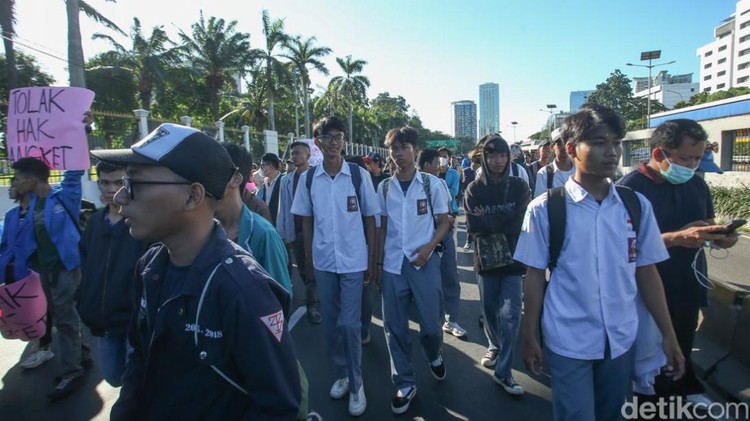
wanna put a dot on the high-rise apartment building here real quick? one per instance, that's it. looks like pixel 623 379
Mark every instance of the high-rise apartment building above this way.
pixel 489 108
pixel 725 62
pixel 465 119
pixel 578 98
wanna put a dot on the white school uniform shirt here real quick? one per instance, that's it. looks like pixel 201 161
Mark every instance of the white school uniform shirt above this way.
pixel 592 292
pixel 410 226
pixel 559 178
pixel 338 244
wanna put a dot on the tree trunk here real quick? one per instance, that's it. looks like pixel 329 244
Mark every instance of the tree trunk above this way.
pixel 351 112
pixel 269 85
pixel 10 61
pixel 75 48
pixel 306 97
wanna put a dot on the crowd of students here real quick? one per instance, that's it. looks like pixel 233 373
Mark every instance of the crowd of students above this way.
pixel 184 276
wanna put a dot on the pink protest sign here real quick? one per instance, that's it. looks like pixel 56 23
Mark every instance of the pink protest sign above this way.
pixel 46 123
pixel 23 309
pixel 316 155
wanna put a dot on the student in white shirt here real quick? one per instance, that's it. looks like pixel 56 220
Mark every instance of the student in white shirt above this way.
pixel 270 166
pixel 561 168
pixel 408 238
pixel 332 208
pixel 589 322
pixel 429 162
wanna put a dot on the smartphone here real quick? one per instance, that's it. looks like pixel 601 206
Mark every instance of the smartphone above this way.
pixel 732 226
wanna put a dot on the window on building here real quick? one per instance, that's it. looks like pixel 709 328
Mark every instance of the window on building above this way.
pixel 745 24
pixel 721 86
pixel 707 65
pixel 744 52
pixel 745 38
pixel 707 77
pixel 706 89
pixel 721 61
pixel 692 89
pixel 708 54
pixel 722 48
pixel 744 65
pixel 743 79
pixel 721 73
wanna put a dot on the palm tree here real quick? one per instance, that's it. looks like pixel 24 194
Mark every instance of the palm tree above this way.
pixel 7 24
pixel 218 53
pixel 76 65
pixel 352 87
pixel 147 60
pixel 275 70
pixel 303 53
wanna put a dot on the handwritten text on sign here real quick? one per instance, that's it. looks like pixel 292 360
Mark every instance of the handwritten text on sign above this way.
pixel 46 123
pixel 23 309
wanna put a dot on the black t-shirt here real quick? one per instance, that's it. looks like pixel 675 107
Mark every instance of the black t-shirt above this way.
pixel 676 205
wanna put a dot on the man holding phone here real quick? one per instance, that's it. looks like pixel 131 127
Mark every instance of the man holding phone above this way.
pixel 684 212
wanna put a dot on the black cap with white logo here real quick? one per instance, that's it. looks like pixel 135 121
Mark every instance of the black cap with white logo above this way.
pixel 187 152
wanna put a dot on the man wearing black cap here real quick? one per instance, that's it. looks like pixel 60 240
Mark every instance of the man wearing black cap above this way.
pixel 209 336
pixel 374 163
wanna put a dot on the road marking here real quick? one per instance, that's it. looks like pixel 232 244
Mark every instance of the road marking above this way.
pixel 296 316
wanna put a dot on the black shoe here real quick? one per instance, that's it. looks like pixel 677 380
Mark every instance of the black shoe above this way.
pixel 65 387
pixel 438 372
pixel 313 315
pixel 399 404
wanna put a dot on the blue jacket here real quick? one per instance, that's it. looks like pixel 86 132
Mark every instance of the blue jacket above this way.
pixel 223 329
pixel 260 238
pixel 16 248
pixel 108 258
pixel 63 204
pixel 453 180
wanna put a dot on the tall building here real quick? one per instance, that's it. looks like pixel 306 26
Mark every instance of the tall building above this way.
pixel 578 98
pixel 465 119
pixel 666 89
pixel 489 108
pixel 725 62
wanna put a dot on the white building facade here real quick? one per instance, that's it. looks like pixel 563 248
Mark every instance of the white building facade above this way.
pixel 725 62
pixel 666 89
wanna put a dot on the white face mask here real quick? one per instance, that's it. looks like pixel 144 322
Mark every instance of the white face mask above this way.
pixel 443 162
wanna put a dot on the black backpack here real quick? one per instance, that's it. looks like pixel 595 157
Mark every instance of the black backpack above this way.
pixel 557 216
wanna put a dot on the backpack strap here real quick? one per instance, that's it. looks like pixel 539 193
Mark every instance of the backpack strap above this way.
pixel 632 205
pixel 428 193
pixel 550 176
pixel 556 215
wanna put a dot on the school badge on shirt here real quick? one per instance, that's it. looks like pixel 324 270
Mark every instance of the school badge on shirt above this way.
pixel 421 206
pixel 275 324
pixel 351 204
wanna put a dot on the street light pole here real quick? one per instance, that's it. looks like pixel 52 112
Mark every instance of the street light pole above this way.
pixel 514 130
pixel 551 110
pixel 649 55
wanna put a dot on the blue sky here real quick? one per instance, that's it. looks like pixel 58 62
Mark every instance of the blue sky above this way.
pixel 433 52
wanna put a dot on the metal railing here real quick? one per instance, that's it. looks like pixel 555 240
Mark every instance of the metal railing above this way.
pixel 741 150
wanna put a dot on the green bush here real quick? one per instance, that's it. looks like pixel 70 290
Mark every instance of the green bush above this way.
pixel 731 202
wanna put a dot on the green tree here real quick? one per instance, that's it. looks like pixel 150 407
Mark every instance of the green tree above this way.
pixel 275 69
pixel 76 64
pixel 7 24
pixel 218 53
pixel 147 59
pixel 304 53
pixel 616 94
pixel 350 88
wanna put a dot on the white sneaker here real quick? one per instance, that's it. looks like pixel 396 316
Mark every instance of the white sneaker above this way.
pixel 340 388
pixel 38 358
pixel 357 402
pixel 454 329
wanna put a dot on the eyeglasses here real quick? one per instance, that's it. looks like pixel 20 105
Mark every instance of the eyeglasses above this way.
pixel 128 184
pixel 339 138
